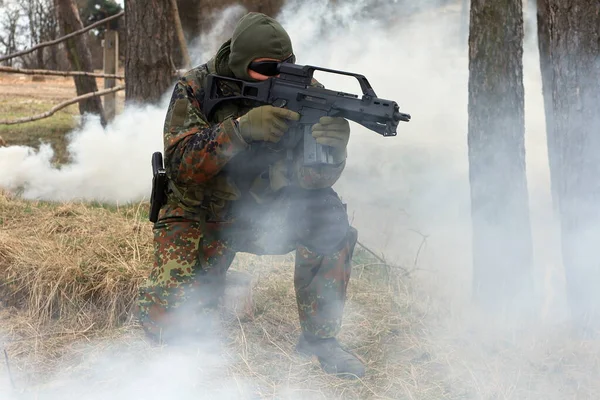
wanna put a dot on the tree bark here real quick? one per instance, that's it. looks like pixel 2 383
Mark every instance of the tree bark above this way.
pixel 185 55
pixel 502 249
pixel 79 56
pixel 547 79
pixel 569 37
pixel 149 68
pixel 190 17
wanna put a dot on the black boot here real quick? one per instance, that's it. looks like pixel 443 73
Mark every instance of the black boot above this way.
pixel 333 358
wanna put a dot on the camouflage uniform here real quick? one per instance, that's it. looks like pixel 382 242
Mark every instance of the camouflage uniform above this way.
pixel 228 196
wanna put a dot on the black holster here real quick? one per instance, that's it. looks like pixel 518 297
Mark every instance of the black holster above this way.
pixel 159 186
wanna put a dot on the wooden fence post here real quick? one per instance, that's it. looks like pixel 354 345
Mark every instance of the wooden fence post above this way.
pixel 111 65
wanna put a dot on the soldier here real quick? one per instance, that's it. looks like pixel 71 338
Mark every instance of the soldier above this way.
pixel 234 188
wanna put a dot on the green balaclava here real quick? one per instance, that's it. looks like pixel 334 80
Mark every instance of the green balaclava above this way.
pixel 256 36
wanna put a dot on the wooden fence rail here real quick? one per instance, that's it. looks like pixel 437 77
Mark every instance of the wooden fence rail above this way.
pixel 62 105
pixel 109 78
pixel 12 70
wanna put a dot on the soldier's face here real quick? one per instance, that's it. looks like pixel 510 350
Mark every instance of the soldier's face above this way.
pixel 262 72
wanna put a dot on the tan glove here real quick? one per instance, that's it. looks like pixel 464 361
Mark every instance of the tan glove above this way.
pixel 333 132
pixel 266 123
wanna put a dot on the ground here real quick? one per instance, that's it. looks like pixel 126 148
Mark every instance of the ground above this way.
pixel 69 273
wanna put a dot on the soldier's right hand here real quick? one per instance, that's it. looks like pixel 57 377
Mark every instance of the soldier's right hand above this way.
pixel 266 123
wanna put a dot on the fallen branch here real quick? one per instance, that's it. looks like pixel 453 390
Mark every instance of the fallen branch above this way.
pixel 62 105
pixel 407 271
pixel 63 38
pixel 382 260
pixel 12 70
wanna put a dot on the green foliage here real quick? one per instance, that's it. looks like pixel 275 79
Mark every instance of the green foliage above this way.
pixel 97 10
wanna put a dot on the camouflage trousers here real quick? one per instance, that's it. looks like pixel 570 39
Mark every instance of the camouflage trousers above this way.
pixel 192 257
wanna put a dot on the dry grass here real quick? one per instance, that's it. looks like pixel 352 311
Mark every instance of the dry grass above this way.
pixel 72 259
pixel 69 274
pixel 67 271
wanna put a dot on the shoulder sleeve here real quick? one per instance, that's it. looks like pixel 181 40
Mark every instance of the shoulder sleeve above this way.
pixel 195 150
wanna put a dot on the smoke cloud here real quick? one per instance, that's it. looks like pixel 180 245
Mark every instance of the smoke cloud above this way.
pixel 109 165
pixel 131 370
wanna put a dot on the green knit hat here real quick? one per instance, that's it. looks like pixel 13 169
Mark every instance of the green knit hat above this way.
pixel 256 36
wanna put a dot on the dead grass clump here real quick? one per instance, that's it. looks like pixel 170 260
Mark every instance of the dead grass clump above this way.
pixel 71 260
pixel 2 142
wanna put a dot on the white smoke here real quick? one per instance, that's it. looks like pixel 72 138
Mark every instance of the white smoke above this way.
pixel 131 370
pixel 108 165
pixel 207 44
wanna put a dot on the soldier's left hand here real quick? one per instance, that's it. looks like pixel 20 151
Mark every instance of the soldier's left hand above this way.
pixel 332 131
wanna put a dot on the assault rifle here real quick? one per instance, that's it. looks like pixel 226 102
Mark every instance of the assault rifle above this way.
pixel 292 89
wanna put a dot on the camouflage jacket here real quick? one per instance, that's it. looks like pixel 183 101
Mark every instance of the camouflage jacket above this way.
pixel 209 164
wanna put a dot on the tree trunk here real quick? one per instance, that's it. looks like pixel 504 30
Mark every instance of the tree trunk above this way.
pixel 547 79
pixel 502 249
pixel 569 37
pixel 183 49
pixel 79 55
pixel 189 14
pixel 149 68
pixel 50 32
pixel 464 21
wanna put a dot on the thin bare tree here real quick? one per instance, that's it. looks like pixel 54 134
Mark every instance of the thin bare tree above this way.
pixel 79 56
pixel 10 20
pixel 42 27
